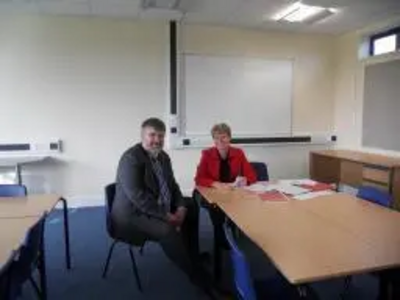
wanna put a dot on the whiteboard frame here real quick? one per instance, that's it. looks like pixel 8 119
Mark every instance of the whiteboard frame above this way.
pixel 179 120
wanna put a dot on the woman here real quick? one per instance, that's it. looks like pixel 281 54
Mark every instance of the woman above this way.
pixel 222 167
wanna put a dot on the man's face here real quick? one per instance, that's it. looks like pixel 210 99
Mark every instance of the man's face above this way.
pixel 152 139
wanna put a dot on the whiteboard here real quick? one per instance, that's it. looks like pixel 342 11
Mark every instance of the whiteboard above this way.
pixel 252 95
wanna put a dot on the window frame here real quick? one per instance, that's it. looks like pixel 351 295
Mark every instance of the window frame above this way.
pixel 394 31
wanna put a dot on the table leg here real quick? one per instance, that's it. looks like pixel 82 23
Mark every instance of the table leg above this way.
pixel 386 280
pixel 66 233
pixel 302 291
pixel 18 174
pixel 42 270
pixel 217 259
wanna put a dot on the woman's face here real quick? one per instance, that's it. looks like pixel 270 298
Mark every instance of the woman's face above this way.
pixel 222 141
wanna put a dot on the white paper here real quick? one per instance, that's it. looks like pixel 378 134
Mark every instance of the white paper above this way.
pixel 313 195
pixel 285 188
pixel 297 182
pixel 258 187
pixel 291 189
pixel 305 182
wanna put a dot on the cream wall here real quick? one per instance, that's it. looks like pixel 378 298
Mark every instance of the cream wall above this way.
pixel 91 81
pixel 350 64
pixel 313 57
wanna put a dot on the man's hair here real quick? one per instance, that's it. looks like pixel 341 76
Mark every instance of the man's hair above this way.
pixel 155 123
pixel 221 128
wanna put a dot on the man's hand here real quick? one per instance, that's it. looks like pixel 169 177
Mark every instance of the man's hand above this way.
pixel 222 186
pixel 181 213
pixel 173 219
pixel 177 218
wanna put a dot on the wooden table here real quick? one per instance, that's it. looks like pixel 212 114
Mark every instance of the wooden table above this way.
pixel 357 168
pixel 12 235
pixel 326 237
pixel 36 206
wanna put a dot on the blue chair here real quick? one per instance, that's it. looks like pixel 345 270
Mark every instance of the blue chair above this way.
pixel 275 288
pixel 12 190
pixel 261 170
pixel 375 195
pixel 113 233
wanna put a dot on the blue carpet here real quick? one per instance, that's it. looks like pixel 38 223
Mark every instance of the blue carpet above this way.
pixel 160 278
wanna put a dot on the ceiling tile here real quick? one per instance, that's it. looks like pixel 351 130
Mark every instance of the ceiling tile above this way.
pixel 8 7
pixel 64 7
pixel 115 8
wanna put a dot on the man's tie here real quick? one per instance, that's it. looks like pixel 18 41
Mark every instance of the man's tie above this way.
pixel 165 194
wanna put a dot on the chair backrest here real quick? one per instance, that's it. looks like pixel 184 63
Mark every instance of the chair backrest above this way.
pixel 261 170
pixel 109 197
pixel 27 258
pixel 242 278
pixel 12 190
pixel 375 195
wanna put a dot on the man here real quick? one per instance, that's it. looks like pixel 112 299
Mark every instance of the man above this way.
pixel 148 202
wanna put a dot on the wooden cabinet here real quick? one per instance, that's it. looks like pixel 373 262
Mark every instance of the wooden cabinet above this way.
pixel 357 168
pixel 325 168
pixel 350 173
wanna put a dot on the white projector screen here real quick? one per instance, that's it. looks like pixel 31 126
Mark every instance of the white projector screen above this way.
pixel 254 96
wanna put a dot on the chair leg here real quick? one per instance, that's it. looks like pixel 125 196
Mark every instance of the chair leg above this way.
pixel 346 288
pixel 108 259
pixel 35 287
pixel 141 250
pixel 135 269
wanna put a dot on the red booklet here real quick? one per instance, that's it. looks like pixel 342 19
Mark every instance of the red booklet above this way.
pixel 272 196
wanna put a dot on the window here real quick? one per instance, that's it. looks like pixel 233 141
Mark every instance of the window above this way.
pixel 385 42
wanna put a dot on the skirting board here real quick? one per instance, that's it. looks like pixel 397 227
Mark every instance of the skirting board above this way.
pixel 98 200
pixel 84 201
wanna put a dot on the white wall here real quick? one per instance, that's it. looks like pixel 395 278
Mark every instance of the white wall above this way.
pixel 349 86
pixel 91 81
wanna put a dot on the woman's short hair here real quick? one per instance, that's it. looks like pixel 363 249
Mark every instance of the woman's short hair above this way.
pixel 221 128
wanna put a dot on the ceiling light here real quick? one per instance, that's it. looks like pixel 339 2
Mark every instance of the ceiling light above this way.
pixel 299 12
pixel 161 4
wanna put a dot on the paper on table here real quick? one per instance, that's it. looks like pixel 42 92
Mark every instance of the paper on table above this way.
pixel 283 188
pixel 297 182
pixel 258 187
pixel 291 190
pixel 312 195
pixel 308 182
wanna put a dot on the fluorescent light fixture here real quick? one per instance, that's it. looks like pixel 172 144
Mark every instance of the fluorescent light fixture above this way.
pixel 299 12
pixel 161 4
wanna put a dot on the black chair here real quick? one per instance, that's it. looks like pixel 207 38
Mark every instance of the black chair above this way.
pixel 138 241
pixel 12 190
pixel 30 257
pixel 261 170
pixel 5 278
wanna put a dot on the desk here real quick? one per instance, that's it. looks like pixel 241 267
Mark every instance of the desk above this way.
pixel 35 206
pixel 12 234
pixel 309 241
pixel 356 168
